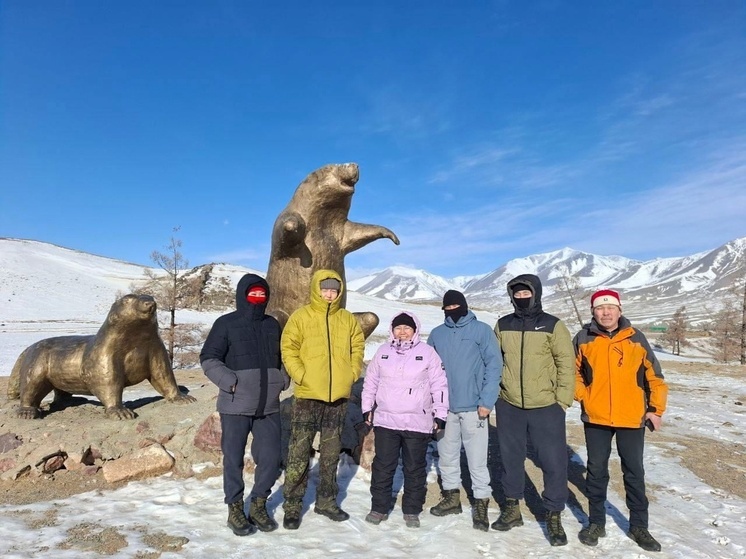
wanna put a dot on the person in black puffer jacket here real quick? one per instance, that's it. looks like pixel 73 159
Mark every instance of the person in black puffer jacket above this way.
pixel 242 357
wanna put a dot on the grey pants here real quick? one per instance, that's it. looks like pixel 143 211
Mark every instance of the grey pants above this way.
pixel 465 428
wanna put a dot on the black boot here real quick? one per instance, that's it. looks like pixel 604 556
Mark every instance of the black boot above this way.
pixel 557 534
pixel 237 520
pixel 510 517
pixel 590 534
pixel 259 515
pixel 292 509
pixel 479 518
pixel 643 538
pixel 450 503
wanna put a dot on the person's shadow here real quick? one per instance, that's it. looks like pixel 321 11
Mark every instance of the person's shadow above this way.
pixel 532 497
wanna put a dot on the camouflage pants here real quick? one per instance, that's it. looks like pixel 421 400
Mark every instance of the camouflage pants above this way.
pixel 308 417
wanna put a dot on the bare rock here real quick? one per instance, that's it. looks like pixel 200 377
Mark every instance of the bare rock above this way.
pixel 9 441
pixel 54 463
pixel 368 452
pixel 151 461
pixel 209 433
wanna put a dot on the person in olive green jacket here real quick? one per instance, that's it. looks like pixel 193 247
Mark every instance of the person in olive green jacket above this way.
pixel 322 350
pixel 538 385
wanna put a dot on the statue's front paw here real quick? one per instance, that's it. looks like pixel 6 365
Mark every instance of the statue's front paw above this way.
pixel 182 398
pixel 28 413
pixel 120 412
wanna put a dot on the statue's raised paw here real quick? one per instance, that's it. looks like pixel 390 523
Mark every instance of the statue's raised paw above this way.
pixel 368 322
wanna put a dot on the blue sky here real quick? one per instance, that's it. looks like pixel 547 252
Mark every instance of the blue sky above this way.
pixel 484 131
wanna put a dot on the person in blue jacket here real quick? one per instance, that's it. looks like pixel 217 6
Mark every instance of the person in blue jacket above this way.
pixel 241 355
pixel 473 362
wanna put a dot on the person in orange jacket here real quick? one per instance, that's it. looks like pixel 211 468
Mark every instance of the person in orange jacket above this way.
pixel 621 390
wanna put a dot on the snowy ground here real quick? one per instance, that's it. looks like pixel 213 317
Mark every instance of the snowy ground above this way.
pixel 689 518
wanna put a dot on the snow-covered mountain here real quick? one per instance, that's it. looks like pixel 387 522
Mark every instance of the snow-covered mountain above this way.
pixel 82 285
pixel 402 284
pixel 652 290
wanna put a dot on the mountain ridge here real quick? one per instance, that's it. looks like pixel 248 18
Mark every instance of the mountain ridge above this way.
pixel 651 290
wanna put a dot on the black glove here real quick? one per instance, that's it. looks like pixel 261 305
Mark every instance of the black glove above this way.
pixel 367 417
pixel 363 428
pixel 440 424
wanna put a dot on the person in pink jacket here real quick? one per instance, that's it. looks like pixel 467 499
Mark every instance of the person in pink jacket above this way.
pixel 405 398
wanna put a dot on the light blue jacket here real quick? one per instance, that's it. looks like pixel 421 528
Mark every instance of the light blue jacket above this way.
pixel 473 361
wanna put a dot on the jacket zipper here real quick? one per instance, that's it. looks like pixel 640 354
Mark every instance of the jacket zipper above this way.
pixel 523 337
pixel 329 348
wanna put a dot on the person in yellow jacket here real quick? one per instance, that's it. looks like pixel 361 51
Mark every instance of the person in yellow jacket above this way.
pixel 322 350
pixel 621 389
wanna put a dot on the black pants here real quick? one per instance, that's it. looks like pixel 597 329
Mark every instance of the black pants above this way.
pixel 546 427
pixel 310 416
pixel 265 450
pixel 630 444
pixel 412 446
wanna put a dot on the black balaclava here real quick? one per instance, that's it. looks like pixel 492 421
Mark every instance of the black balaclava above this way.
pixel 521 303
pixel 453 297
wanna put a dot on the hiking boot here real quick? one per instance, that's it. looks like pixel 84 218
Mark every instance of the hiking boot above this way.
pixel 331 511
pixel 643 538
pixel 510 516
pixel 479 515
pixel 259 515
pixel 557 534
pixel 590 534
pixel 292 509
pixel 412 520
pixel 237 520
pixel 375 517
pixel 450 503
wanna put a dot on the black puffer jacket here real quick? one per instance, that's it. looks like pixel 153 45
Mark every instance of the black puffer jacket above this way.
pixel 242 356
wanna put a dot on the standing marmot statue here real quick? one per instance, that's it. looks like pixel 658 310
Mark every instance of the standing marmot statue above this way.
pixel 125 351
pixel 313 233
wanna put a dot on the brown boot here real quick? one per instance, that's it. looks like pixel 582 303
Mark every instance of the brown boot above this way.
pixel 237 520
pixel 450 503
pixel 259 515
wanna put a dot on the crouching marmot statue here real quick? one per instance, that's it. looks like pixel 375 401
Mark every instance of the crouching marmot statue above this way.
pixel 125 351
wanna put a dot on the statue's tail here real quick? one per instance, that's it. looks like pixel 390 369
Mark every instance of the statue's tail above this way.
pixel 14 382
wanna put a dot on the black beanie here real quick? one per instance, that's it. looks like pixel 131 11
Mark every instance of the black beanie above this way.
pixel 453 297
pixel 520 287
pixel 405 320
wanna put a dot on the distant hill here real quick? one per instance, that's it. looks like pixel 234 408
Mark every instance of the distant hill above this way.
pixel 77 285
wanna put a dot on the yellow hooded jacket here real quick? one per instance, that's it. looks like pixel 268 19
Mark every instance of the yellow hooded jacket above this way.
pixel 323 346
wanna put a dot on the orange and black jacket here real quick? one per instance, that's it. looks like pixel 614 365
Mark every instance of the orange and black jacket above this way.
pixel 618 379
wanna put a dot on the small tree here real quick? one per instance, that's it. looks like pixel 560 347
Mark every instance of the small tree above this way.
pixel 172 291
pixel 675 333
pixel 572 290
pixel 725 330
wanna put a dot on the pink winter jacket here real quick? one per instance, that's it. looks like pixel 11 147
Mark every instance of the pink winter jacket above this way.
pixel 406 384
